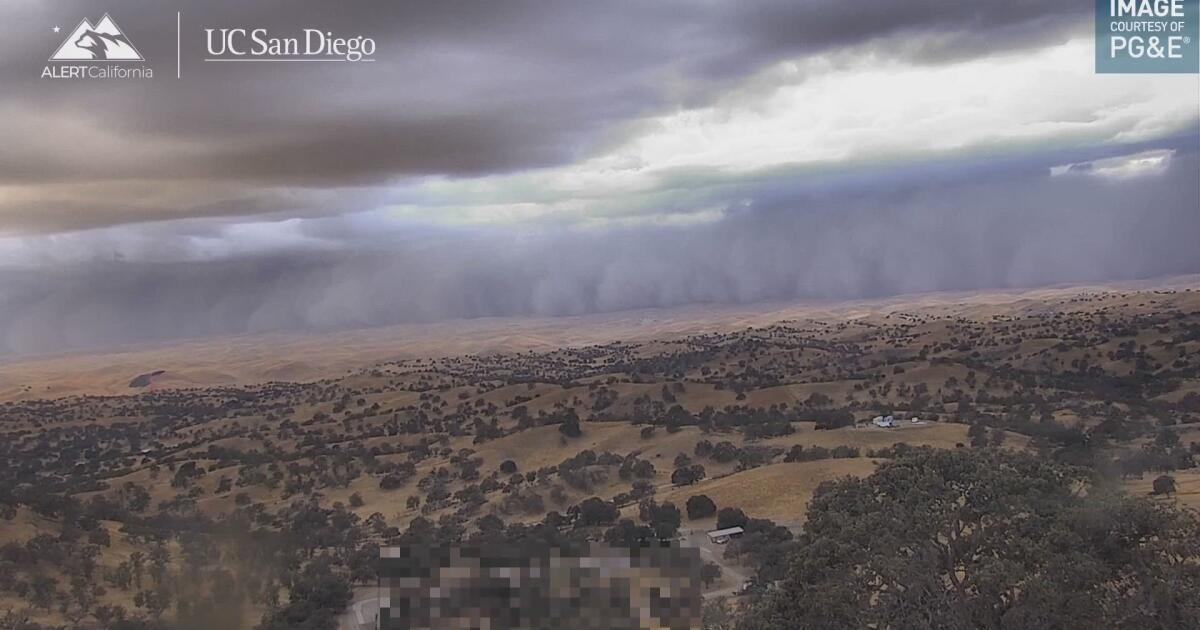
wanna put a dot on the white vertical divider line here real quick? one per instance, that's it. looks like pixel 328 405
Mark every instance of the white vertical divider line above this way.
pixel 178 57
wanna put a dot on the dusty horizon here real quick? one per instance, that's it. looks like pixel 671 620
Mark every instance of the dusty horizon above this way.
pixel 532 161
pixel 251 359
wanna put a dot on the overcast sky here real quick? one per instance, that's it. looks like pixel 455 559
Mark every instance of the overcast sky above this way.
pixel 550 158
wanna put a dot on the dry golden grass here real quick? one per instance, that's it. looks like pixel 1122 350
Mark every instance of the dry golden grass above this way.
pixel 1187 485
pixel 935 434
pixel 546 447
pixel 779 492
pixel 26 525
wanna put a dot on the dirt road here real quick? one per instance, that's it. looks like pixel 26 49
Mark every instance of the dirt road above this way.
pixel 363 609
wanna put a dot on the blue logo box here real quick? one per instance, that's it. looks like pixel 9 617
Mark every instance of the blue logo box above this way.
pixel 1147 36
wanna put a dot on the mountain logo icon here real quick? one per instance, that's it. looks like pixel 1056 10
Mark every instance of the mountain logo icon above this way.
pixel 103 42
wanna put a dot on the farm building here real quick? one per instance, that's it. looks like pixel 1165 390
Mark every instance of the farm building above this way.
pixel 885 422
pixel 722 536
pixel 890 422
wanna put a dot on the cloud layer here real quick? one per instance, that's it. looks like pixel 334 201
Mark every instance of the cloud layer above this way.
pixel 529 158
pixel 1018 228
pixel 460 89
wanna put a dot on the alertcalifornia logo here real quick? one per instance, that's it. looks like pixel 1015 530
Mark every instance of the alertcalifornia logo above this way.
pixel 1147 36
pixel 95 51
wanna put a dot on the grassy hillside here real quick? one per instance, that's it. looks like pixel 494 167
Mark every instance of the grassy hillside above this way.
pixel 255 484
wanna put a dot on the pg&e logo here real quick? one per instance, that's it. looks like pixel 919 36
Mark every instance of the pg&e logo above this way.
pixel 1147 36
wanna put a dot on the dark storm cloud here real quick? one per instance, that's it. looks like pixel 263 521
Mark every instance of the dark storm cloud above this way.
pixel 288 196
pixel 459 88
pixel 1014 227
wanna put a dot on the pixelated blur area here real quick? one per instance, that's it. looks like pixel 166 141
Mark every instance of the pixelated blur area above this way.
pixel 588 586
